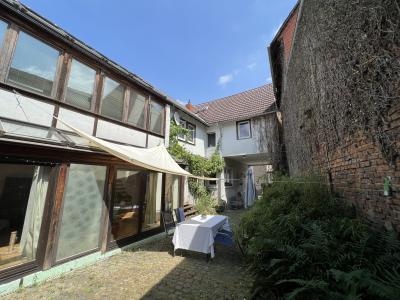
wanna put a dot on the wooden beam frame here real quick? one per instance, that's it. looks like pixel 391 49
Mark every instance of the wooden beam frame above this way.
pixel 53 232
pixel 62 73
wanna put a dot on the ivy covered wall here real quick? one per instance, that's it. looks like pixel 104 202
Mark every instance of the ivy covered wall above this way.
pixel 341 101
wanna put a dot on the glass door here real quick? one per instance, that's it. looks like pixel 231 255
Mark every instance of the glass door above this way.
pixel 127 205
pixel 23 193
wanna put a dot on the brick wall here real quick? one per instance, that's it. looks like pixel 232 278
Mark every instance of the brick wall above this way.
pixel 286 35
pixel 331 125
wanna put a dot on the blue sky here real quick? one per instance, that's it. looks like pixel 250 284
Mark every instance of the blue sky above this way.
pixel 190 49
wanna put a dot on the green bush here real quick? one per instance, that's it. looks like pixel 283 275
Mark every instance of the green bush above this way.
pixel 304 243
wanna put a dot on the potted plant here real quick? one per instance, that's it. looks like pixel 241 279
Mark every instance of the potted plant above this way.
pixel 220 206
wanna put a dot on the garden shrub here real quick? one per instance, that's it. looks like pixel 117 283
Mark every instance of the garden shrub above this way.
pixel 304 243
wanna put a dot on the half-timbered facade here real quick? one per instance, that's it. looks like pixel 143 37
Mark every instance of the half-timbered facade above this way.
pixel 62 199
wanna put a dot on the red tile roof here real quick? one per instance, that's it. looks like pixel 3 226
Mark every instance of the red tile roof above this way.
pixel 240 106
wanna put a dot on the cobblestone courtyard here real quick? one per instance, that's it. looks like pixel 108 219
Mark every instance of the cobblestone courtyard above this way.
pixel 151 272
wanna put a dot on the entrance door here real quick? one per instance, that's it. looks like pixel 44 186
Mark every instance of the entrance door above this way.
pixel 128 198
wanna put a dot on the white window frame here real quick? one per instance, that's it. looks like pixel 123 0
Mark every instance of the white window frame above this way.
pixel 239 137
pixel 215 139
pixel 192 133
pixel 182 137
pixel 185 138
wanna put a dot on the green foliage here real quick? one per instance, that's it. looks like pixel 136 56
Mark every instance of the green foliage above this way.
pixel 303 243
pixel 199 166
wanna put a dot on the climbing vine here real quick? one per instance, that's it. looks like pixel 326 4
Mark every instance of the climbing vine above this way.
pixel 199 166
pixel 350 53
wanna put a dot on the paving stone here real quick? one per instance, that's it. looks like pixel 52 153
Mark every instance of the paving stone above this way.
pixel 151 273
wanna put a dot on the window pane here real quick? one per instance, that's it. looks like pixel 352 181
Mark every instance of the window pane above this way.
pixel 80 85
pixel 129 193
pixel 23 190
pixel 77 140
pixel 30 131
pixel 34 65
pixel 211 139
pixel 156 117
pixel 137 108
pixel 192 133
pixel 244 130
pixel 113 99
pixel 3 29
pixel 82 205
pixel 152 204
pixel 182 136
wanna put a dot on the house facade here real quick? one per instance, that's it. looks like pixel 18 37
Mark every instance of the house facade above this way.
pixel 64 202
pixel 243 128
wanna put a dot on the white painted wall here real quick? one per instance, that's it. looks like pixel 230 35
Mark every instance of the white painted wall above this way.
pixel 262 132
pixel 154 141
pixel 75 119
pixel 25 109
pixel 114 132
pixel 231 146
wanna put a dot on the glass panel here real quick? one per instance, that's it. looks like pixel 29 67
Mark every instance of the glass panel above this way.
pixel 3 29
pixel 30 131
pixel 244 130
pixel 23 190
pixel 112 103
pixel 81 215
pixel 182 136
pixel 129 193
pixel 192 133
pixel 152 204
pixel 211 139
pixel 79 141
pixel 156 117
pixel 136 111
pixel 80 85
pixel 34 65
pixel 172 188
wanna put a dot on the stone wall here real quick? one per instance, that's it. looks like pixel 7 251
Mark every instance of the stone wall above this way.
pixel 340 103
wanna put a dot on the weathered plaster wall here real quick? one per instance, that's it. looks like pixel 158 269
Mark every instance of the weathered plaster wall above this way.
pixel 263 140
pixel 341 104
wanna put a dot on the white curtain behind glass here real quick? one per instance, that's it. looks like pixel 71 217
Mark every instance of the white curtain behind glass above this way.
pixel 153 196
pixel 34 212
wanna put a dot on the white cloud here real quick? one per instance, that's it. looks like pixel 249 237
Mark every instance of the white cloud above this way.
pixel 224 79
pixel 251 66
pixel 269 79
pixel 46 74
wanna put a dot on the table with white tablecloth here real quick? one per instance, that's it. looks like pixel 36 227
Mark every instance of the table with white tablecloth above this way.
pixel 198 233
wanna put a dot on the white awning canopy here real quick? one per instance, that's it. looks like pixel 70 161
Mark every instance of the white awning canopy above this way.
pixel 156 159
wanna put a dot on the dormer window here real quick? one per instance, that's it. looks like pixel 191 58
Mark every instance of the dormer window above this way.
pixel 243 129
